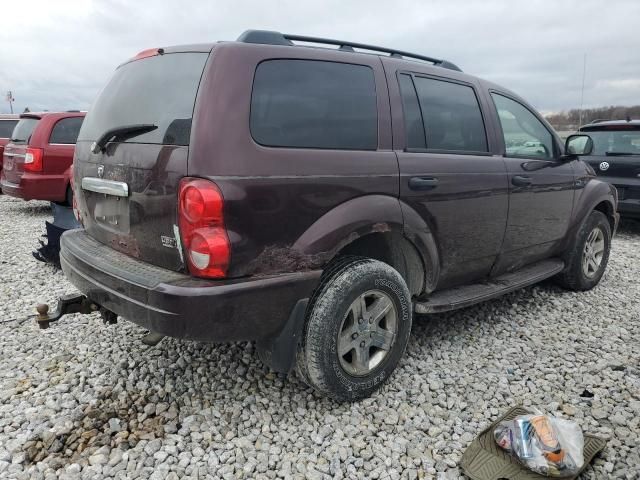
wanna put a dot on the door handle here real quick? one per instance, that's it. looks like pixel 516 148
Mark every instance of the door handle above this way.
pixel 521 180
pixel 423 183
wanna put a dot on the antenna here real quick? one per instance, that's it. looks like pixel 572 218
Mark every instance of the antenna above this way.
pixel 584 72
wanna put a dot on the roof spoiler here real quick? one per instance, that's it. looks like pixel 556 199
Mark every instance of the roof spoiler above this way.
pixel 267 37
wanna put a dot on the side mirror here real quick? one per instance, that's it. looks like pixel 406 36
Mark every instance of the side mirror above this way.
pixel 578 144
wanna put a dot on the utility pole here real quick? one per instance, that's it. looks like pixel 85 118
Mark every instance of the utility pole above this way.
pixel 10 99
pixel 584 72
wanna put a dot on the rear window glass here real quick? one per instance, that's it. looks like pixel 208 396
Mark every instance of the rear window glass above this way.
pixel 6 127
pixel 24 129
pixel 451 115
pixel 314 104
pixel 159 90
pixel 618 142
pixel 66 130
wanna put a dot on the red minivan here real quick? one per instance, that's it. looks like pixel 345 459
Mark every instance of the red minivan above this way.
pixel 37 160
pixel 7 123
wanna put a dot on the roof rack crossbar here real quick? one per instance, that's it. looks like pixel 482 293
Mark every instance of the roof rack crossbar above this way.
pixel 277 38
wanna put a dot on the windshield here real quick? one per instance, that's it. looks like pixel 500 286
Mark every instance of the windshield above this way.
pixel 615 142
pixel 159 90
pixel 6 127
pixel 24 129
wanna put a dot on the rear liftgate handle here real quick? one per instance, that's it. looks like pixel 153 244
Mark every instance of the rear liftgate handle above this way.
pixel 423 183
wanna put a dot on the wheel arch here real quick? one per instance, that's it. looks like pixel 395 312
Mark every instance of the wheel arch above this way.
pixel 597 195
pixel 379 227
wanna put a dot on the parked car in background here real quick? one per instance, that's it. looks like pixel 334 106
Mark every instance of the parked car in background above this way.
pixel 38 158
pixel 616 159
pixel 318 199
pixel 7 123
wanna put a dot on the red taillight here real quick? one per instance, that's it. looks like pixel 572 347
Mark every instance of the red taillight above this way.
pixel 33 160
pixel 204 238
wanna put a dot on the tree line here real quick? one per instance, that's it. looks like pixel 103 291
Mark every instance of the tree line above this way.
pixel 570 120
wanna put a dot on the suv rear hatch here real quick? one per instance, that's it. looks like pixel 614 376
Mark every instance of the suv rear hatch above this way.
pixel 616 156
pixel 126 181
pixel 15 152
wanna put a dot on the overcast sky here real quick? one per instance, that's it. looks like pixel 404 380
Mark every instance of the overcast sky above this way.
pixel 58 54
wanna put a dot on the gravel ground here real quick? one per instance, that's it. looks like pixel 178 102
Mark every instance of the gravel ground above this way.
pixel 83 400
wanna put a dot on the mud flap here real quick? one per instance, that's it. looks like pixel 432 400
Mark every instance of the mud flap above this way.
pixel 279 352
pixel 484 460
pixel 63 220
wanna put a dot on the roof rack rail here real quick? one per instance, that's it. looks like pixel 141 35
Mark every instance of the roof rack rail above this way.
pixel 268 37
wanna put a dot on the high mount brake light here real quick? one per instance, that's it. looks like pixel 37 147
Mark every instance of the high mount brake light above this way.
pixel 150 52
pixel 202 230
pixel 33 160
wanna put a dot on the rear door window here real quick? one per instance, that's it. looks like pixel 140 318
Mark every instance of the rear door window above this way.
pixel 6 127
pixel 159 90
pixel 66 130
pixel 314 104
pixel 451 116
pixel 24 129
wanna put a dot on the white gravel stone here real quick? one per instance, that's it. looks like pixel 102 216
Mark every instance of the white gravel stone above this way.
pixel 85 401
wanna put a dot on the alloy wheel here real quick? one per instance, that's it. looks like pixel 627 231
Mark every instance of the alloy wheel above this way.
pixel 367 332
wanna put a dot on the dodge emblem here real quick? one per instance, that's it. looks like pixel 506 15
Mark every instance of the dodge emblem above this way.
pixel 604 166
pixel 100 171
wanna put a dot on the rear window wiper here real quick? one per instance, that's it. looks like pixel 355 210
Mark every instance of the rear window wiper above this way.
pixel 121 133
pixel 619 154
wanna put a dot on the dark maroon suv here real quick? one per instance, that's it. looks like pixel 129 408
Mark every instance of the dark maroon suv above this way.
pixel 314 198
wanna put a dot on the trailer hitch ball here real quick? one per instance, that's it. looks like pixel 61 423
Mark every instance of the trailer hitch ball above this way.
pixel 43 315
pixel 72 303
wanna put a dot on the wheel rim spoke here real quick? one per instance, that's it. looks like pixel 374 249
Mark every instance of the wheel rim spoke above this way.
pixel 361 359
pixel 357 308
pixel 382 339
pixel 598 246
pixel 379 309
pixel 345 343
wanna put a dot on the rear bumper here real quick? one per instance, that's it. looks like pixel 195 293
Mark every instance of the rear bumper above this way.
pixel 35 186
pixel 178 305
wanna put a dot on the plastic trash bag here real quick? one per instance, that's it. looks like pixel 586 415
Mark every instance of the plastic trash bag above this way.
pixel 546 445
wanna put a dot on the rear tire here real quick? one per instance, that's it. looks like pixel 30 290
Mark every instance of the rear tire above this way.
pixel 588 256
pixel 357 327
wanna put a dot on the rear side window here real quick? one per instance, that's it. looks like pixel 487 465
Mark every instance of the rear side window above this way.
pixel 413 125
pixel 24 129
pixel 451 116
pixel 159 90
pixel 314 104
pixel 66 130
pixel 6 127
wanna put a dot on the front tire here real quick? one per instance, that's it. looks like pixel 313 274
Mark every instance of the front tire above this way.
pixel 588 257
pixel 357 327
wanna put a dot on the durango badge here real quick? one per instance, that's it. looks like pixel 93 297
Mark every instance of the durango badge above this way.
pixel 604 166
